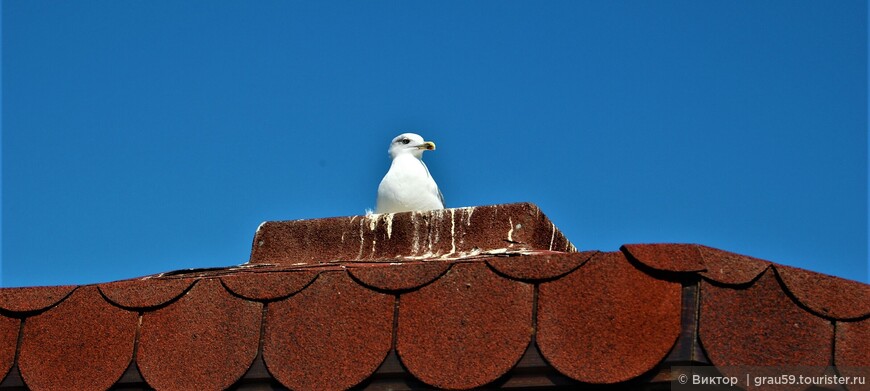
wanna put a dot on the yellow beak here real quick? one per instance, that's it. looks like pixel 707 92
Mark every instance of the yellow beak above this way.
pixel 428 145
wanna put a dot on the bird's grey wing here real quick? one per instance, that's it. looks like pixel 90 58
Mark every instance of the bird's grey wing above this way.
pixel 440 196
pixel 425 167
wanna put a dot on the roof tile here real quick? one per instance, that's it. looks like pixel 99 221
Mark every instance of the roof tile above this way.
pixel 761 326
pixel 100 335
pixel 396 277
pixel 729 268
pixel 607 311
pixel 828 296
pixel 458 298
pixel 852 347
pixel 331 335
pixel 465 329
pixel 520 225
pixel 32 298
pixel 539 267
pixel 205 340
pixel 411 234
pixel 8 342
pixel 268 286
pixel 667 256
pixel 307 241
pixel 144 293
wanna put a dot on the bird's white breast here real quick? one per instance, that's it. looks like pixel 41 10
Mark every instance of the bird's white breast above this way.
pixel 407 186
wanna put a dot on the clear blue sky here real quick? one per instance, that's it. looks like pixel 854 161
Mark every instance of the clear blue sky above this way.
pixel 146 136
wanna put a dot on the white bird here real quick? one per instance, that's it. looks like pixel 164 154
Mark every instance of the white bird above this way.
pixel 408 186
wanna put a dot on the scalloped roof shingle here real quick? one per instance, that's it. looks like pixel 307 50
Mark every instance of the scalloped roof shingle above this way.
pixel 484 297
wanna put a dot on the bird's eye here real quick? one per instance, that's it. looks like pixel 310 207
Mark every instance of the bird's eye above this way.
pixel 405 141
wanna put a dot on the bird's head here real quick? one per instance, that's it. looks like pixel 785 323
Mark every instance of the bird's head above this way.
pixel 410 143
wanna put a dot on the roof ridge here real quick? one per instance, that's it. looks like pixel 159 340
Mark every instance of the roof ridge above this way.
pixel 423 295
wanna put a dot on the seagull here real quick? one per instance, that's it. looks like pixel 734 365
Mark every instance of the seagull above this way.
pixel 408 186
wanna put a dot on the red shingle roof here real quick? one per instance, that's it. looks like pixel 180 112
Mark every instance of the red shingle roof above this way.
pixel 462 298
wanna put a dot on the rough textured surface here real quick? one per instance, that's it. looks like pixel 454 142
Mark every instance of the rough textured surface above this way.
pixel 397 277
pixel 606 312
pixel 32 298
pixel 84 343
pixel 667 256
pixel 456 296
pixel 8 341
pixel 852 356
pixel 306 241
pixel 204 341
pixel 144 293
pixel 448 232
pixel 761 326
pixel 330 336
pixel 515 226
pixel 466 329
pixel 828 296
pixel 729 268
pixel 268 286
pixel 540 266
